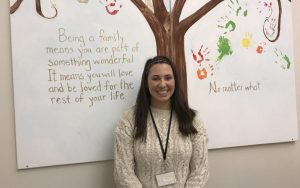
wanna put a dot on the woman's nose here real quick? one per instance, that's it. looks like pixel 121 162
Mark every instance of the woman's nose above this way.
pixel 162 83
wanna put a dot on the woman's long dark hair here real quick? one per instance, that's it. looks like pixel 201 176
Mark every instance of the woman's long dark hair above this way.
pixel 184 113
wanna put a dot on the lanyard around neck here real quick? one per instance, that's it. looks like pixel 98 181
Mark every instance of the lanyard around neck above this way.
pixel 164 151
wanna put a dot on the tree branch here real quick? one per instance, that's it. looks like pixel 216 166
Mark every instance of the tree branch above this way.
pixel 15 6
pixel 152 20
pixel 160 10
pixel 177 9
pixel 38 8
pixel 189 21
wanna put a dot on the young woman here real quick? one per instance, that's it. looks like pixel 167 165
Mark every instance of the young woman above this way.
pixel 160 141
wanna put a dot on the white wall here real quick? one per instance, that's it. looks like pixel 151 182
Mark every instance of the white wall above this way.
pixel 264 166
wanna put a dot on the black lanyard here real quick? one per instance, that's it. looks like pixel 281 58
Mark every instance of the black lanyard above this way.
pixel 164 151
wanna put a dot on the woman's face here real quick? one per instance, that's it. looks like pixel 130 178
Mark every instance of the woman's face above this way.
pixel 161 85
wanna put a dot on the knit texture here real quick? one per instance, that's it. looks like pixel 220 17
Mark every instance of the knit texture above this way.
pixel 137 163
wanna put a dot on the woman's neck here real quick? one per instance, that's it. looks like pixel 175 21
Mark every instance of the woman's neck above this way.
pixel 161 105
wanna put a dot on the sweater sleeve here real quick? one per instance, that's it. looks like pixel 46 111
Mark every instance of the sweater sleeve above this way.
pixel 198 175
pixel 124 173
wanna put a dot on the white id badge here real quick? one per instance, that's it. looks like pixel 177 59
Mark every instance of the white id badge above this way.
pixel 165 179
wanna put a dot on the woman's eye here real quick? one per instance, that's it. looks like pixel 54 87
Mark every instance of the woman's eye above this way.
pixel 168 77
pixel 155 78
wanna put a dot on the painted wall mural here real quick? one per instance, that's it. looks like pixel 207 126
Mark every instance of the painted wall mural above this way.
pixel 77 66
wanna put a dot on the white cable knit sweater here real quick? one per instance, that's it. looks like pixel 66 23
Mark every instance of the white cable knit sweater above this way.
pixel 137 163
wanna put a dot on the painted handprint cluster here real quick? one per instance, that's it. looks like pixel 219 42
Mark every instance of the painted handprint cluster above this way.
pixel 231 26
pixel 272 15
pixel 112 7
pixel 205 68
pixel 228 24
